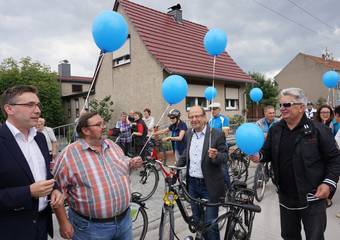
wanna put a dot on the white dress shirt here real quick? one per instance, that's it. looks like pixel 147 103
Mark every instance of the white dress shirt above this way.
pixel 195 153
pixel 33 155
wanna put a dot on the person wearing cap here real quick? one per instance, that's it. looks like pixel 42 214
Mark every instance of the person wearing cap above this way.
pixel 310 110
pixel 218 121
pixel 177 129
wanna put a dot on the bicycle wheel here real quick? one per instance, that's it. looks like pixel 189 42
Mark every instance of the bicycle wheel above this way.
pixel 235 230
pixel 145 181
pixel 259 182
pixel 140 222
pixel 167 225
pixel 238 168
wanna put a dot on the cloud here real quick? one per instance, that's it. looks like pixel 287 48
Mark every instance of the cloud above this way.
pixel 258 39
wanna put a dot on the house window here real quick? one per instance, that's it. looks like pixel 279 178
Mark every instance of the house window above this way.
pixel 122 55
pixel 77 88
pixel 231 104
pixel 232 98
pixel 195 101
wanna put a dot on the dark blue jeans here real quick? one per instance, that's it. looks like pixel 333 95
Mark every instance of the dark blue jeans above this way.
pixel 197 189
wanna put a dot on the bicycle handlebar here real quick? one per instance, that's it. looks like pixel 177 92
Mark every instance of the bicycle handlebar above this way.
pixel 249 207
pixel 173 167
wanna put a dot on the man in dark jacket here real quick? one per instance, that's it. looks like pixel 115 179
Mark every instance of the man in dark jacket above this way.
pixel 204 158
pixel 306 164
pixel 27 189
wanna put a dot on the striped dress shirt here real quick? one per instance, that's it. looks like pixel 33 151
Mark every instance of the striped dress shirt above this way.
pixel 96 183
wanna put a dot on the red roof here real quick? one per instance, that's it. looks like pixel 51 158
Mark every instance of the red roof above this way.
pixel 78 79
pixel 179 46
pixel 332 64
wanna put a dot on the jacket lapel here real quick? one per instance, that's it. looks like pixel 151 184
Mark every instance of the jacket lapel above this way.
pixel 45 154
pixel 206 143
pixel 14 149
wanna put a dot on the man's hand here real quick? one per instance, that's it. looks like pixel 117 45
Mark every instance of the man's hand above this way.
pixel 166 139
pixel 323 191
pixel 57 199
pixel 66 230
pixel 136 162
pixel 212 153
pixel 42 188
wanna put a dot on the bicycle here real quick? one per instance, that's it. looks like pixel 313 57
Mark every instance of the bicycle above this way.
pixel 238 163
pixel 139 216
pixel 263 173
pixel 174 188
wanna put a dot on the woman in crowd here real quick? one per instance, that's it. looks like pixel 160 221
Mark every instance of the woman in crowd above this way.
pixel 177 129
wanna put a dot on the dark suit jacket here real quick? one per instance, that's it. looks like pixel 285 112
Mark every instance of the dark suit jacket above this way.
pixel 18 209
pixel 212 168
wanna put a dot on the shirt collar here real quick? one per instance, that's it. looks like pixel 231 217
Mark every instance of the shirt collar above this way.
pixel 202 132
pixel 32 132
pixel 86 146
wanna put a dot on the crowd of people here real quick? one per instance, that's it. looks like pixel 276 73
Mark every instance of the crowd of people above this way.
pixel 92 173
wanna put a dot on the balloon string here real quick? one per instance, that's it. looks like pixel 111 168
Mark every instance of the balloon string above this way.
pixel 329 91
pixel 148 140
pixel 101 57
pixel 212 100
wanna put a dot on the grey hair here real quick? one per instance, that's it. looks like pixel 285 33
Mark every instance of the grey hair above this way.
pixel 297 93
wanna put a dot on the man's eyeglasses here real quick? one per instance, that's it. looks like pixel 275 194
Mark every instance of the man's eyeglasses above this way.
pixel 102 125
pixel 172 118
pixel 215 108
pixel 31 105
pixel 195 116
pixel 288 104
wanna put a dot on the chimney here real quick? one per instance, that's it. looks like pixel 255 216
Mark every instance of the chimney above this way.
pixel 64 68
pixel 176 12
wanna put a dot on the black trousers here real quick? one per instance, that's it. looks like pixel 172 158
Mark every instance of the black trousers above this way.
pixel 313 218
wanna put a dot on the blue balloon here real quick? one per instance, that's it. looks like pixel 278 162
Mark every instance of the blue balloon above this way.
pixel 330 79
pixel 256 94
pixel 174 89
pixel 109 31
pixel 210 93
pixel 249 138
pixel 215 41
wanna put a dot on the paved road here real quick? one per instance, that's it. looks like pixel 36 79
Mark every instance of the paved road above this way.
pixel 266 224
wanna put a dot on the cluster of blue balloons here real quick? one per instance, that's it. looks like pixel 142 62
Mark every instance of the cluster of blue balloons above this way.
pixel 109 31
pixel 249 138
pixel 330 79
pixel 210 93
pixel 174 89
pixel 256 94
pixel 215 41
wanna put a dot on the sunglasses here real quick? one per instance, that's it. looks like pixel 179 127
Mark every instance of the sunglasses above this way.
pixel 288 105
pixel 172 117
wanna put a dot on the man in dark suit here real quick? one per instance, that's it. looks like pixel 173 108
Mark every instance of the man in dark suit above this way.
pixel 27 188
pixel 204 157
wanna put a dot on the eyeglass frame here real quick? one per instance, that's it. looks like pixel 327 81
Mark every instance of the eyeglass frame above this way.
pixel 289 104
pixel 32 105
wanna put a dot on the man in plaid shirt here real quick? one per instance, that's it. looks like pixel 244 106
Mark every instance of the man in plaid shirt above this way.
pixel 93 173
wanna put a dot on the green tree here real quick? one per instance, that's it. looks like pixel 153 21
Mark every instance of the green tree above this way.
pixel 27 72
pixel 269 88
pixel 103 107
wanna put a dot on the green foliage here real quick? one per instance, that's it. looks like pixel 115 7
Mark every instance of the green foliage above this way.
pixel 269 88
pixel 321 101
pixel 103 107
pixel 237 119
pixel 27 72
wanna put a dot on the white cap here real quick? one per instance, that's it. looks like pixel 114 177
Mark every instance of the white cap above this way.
pixel 215 105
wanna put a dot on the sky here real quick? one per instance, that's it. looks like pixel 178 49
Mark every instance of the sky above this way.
pixel 263 35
